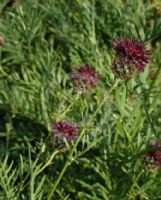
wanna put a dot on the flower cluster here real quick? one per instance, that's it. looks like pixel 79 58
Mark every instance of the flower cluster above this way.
pixel 131 57
pixel 152 160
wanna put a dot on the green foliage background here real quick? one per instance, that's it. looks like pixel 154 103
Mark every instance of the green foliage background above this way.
pixel 44 41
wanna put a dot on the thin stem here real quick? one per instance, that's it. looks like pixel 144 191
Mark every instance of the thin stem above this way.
pixel 69 159
pixel 70 106
pixel 31 176
pixel 146 111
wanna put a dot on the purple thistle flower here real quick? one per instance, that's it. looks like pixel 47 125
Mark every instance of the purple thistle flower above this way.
pixel 131 57
pixel 64 129
pixel 84 77
pixel 152 160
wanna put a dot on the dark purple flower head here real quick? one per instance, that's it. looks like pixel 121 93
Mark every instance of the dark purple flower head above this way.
pixel 64 129
pixel 152 160
pixel 132 51
pixel 84 77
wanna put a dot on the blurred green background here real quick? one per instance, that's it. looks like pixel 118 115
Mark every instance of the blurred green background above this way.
pixel 43 41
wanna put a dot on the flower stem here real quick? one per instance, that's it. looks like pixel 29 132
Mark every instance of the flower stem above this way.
pixel 70 156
